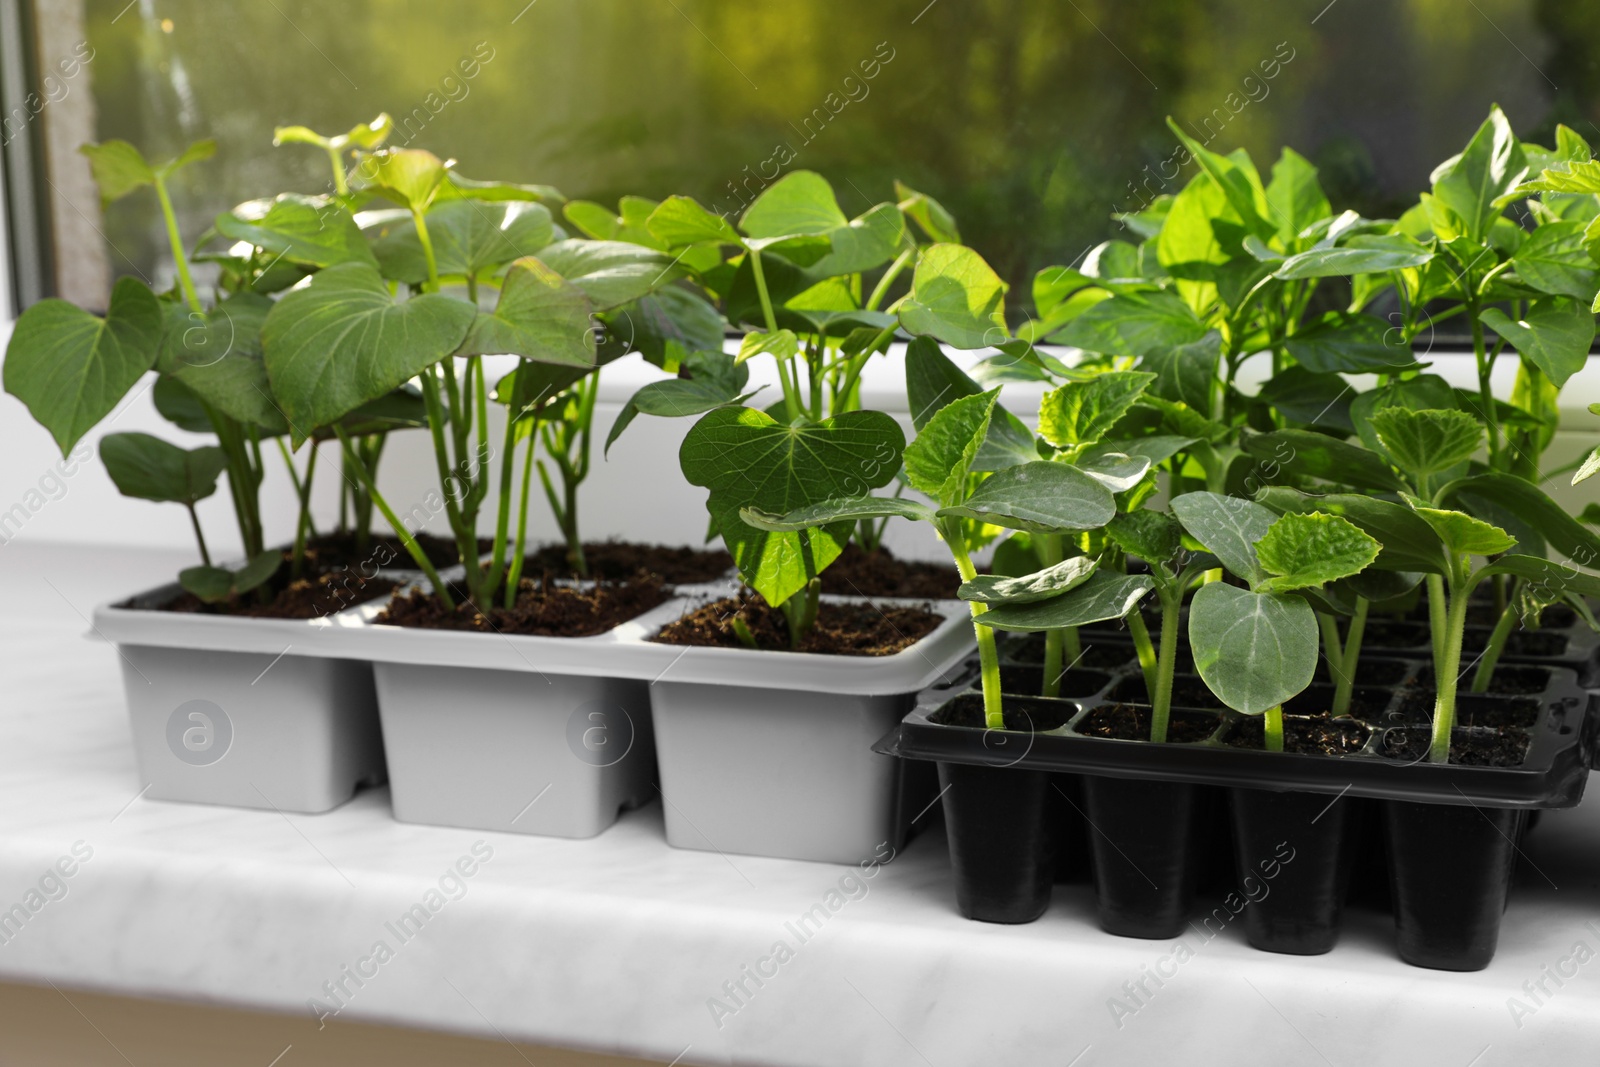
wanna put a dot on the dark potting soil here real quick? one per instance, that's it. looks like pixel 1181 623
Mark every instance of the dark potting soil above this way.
pixel 841 629
pixel 307 598
pixel 858 572
pixel 1370 671
pixel 1366 703
pixel 1518 642
pixel 1131 722
pixel 1188 691
pixel 1315 735
pixel 1029 681
pixel 620 560
pixel 1029 715
pixel 1482 612
pixel 338 549
pixel 1473 709
pixel 1382 633
pixel 1100 655
pixel 1468 748
pixel 1507 680
pixel 543 609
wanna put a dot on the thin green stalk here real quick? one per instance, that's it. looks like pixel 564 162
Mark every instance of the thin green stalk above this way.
pixel 1332 649
pixel 1437 620
pixel 881 290
pixel 1167 662
pixel 194 520
pixel 1048 548
pixel 514 577
pixel 1491 652
pixel 181 261
pixel 988 655
pixel 1352 656
pixel 341 183
pixel 502 521
pixel 427 250
pixel 1146 651
pixel 791 388
pixel 1273 728
pixel 417 555
pixel 1445 676
pixel 1485 364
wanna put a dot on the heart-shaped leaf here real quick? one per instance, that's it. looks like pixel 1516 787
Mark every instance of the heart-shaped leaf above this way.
pixel 470 239
pixel 1041 497
pixel 1254 650
pixel 1228 527
pixel 611 273
pixel 1080 413
pixel 956 297
pixel 411 177
pixel 1040 585
pixel 540 315
pixel 928 213
pixel 780 345
pixel 801 202
pixel 1554 335
pixel 71 368
pixel 149 468
pixel 669 325
pixel 680 221
pixel 938 461
pixel 1106 595
pixel 869 241
pixel 1308 551
pixel 714 381
pixel 218 356
pixel 216 584
pixel 343 341
pixel 1134 324
pixel 308 230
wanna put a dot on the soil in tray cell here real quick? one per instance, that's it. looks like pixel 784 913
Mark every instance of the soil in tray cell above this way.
pixel 1073 684
pixel 1507 680
pixel 1386 634
pixel 338 549
pixel 1025 714
pixel 543 609
pixel 841 629
pixel 860 573
pixel 621 560
pixel 1367 703
pixel 1371 671
pixel 1316 735
pixel 1518 642
pixel 1131 722
pixel 307 598
pixel 1188 691
pixel 1472 709
pixel 1468 748
pixel 1100 655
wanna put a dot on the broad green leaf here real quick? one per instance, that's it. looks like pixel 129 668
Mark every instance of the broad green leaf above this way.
pixel 456 187
pixel 343 341
pixel 178 404
pixel 1228 527
pixel 1308 551
pixel 1491 165
pixel 781 345
pixel 1422 393
pixel 1341 342
pixel 118 168
pixel 1081 413
pixel 611 273
pixel 866 242
pixel 668 326
pixel 955 297
pixel 470 239
pixel 1362 254
pixel 1428 441
pixel 1461 532
pixel 938 461
pixel 1254 650
pixel 149 468
pixel 539 315
pixel 1544 575
pixel 1554 335
pixel 714 381
pixel 363 135
pixel 1555 259
pixel 194 153
pixel 680 220
pixel 1152 536
pixel 218 356
pixel 211 584
pixel 846 509
pixel 1232 179
pixel 1311 399
pixel 1409 543
pixel 928 213
pixel 409 176
pixel 1532 506
pixel 1117 471
pixel 257 570
pixel 1580 176
pixel 1134 324
pixel 1187 245
pixel 1295 197
pixel 1306 452
pixel 933 380
pixel 1106 595
pixel 1186 373
pixel 800 202
pixel 71 368
pixel 308 230
pixel 1587 469
pixel 1040 585
pixel 747 459
pixel 1041 497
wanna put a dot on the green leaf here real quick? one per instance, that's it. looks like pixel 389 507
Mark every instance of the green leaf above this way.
pixel 1341 342
pixel 211 584
pixel 1580 176
pixel 928 213
pixel 1254 650
pixel 933 380
pixel 801 202
pixel 1555 335
pixel 364 135
pixel 1117 471
pixel 257 570
pixel 71 368
pixel 1308 551
pixel 1134 324
pixel 1186 373
pixel 307 230
pixel 680 221
pixel 411 177
pixel 869 241
pixel 177 403
pixel 1294 195
pixel 1531 505
pixel 611 273
pixel 1590 465
pixel 1362 254
pixel 955 297
pixel 1081 413
pixel 1316 455
pixel 1545 575
pixel 1491 165
pixel 1428 441
pixel 781 345
pixel 1152 536
pixel 539 315
pixel 1409 543
pixel 343 341
pixel 746 459
pixel 456 187
pixel 938 460
pixel 1228 527
pixel 845 509
pixel 470 239
pixel 1041 497
pixel 714 381
pixel 118 168
pixel 218 356
pixel 149 468
pixel 1106 595
pixel 1301 396
pixel 1461 532
pixel 668 326
pixel 1555 259
pixel 1041 585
